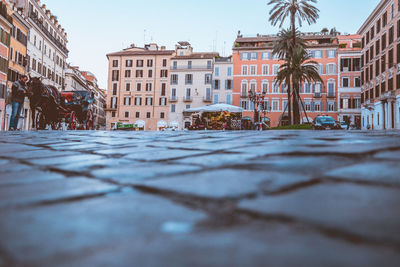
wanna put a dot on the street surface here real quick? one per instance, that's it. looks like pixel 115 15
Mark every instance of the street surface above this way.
pixel 275 198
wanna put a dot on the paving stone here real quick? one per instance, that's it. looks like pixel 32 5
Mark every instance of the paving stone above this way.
pixel 51 190
pixel 27 176
pixel 227 183
pixel 216 159
pixel 370 212
pixel 134 174
pixel 378 172
pixel 163 154
pixel 52 234
pixel 65 160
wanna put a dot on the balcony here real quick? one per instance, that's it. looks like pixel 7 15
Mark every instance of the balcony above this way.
pixel 4 14
pixel 317 95
pixel 244 94
pixel 173 98
pixel 39 23
pixel 207 99
pixel 200 67
pixel 187 99
pixel 331 95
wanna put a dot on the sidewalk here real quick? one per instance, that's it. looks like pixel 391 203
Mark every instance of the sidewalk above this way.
pixel 272 198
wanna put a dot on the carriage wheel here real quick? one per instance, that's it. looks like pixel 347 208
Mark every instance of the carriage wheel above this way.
pixel 72 121
pixel 40 120
pixel 89 121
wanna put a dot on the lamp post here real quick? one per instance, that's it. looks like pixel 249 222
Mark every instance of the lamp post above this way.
pixel 257 99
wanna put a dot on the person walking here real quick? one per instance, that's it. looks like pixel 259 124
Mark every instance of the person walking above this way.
pixel 347 121
pixel 18 92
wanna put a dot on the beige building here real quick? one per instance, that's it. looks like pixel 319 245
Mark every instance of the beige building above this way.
pixel 138 87
pixel 380 76
pixel 191 83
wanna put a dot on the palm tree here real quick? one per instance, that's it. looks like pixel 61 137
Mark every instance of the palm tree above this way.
pixel 302 69
pixel 299 10
pixel 283 48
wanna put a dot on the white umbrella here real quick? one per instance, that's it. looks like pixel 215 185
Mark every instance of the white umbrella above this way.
pixel 215 108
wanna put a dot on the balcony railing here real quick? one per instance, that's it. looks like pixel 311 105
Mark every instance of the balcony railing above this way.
pixel 39 23
pixel 331 95
pixel 317 95
pixel 207 99
pixel 187 99
pixel 173 98
pixel 244 94
pixel 200 67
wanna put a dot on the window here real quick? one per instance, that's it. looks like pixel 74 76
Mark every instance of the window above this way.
pixel 230 68
pixel 208 93
pixel 331 106
pixel 275 88
pixel 188 94
pixel 320 68
pixel 127 101
pixel 275 105
pixel 209 64
pixel 216 71
pixel 115 75
pixel 244 104
pixel 317 106
pixel 331 69
pixel 189 79
pixel 149 87
pixel 150 63
pixel 207 79
pixel 216 98
pixel 163 101
pixel 173 108
pixel 139 73
pixel 307 88
pixel 275 69
pixel 164 64
pixel 149 101
pixel 228 84
pixel 244 70
pixel 174 79
pixel 164 73
pixel 113 114
pixel 331 89
pixel 115 62
pixel 127 74
pixel 384 19
pixel 126 114
pixel 264 85
pixel 392 11
pixel 137 115
pixel 254 56
pixel 216 85
pixel 243 89
pixel 266 55
pixel 127 87
pixel 253 70
pixel 253 86
pixel 162 115
pixel 128 63
pixel 244 56
pixel 229 99
pixel 138 101
pixel 265 69
pixel 357 82
pixel 345 82
pixel 148 115
pixel 163 89
pixel 138 87
pixel 175 65
pixel 150 73
pixel 383 41
pixel 190 64
pixel 331 53
pixel 139 63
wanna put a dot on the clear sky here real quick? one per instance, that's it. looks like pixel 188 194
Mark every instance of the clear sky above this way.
pixel 98 27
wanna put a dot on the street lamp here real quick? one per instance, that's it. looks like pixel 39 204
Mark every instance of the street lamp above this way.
pixel 257 99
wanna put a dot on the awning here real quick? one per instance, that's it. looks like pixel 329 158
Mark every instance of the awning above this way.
pixel 215 108
pixel 140 124
pixel 161 124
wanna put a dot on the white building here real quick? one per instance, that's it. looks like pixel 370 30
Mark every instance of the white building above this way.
pixel 191 83
pixel 47 43
pixel 223 80
pixel 74 80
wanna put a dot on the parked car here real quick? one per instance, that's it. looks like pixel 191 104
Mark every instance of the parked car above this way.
pixel 343 125
pixel 325 123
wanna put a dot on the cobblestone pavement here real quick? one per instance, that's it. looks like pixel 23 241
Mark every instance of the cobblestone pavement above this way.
pixel 277 198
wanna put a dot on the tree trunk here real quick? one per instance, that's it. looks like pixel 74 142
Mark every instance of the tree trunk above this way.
pixel 289 105
pixel 296 107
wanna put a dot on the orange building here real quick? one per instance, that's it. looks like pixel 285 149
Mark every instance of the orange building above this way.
pixel 5 28
pixel 255 68
pixel 349 79
pixel 138 87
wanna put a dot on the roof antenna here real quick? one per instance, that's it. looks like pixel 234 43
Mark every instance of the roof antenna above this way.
pixel 144 38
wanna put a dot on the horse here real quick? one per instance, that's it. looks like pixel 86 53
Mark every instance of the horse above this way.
pixel 44 99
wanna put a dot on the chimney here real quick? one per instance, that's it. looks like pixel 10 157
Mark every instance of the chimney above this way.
pixel 163 47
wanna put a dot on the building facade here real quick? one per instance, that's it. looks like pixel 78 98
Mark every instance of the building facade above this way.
pixel 255 69
pixel 349 79
pixel 138 87
pixel 223 80
pixel 47 44
pixel 380 76
pixel 5 30
pixel 191 83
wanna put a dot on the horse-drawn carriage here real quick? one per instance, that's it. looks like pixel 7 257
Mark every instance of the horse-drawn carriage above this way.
pixel 69 110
